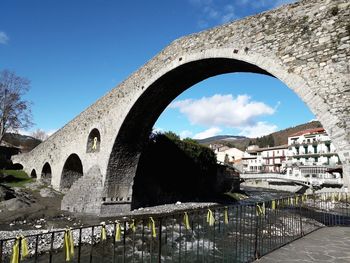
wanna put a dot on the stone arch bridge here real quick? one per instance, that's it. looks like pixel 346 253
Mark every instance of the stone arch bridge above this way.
pixel 306 45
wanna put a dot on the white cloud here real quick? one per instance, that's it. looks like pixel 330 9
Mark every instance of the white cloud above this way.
pixel 185 134
pixel 259 129
pixel 207 133
pixel 269 3
pixel 3 38
pixel 209 12
pixel 223 110
pixel 229 14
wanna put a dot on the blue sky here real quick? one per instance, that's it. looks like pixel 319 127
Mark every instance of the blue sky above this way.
pixel 76 51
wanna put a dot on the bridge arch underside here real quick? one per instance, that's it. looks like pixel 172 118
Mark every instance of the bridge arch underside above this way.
pixel 72 171
pixel 46 174
pixel 138 123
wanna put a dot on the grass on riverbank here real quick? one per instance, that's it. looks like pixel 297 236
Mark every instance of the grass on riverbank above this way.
pixel 14 178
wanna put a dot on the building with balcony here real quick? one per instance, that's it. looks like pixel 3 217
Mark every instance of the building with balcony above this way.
pixel 311 154
pixel 274 159
pixel 264 160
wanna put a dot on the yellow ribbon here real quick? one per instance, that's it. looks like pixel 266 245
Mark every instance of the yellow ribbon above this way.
pixel 152 226
pixel 15 252
pixel 68 244
pixel 297 200
pixel 103 232
pixel 118 232
pixel 273 205
pixel 260 210
pixel 226 216
pixel 132 225
pixel 303 198
pixel 24 247
pixel 186 221
pixel 94 145
pixel 15 249
pixel 210 218
pixel 333 197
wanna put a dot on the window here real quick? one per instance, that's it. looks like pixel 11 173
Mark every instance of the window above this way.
pixel 94 140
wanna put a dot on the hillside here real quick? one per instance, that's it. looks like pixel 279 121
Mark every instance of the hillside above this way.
pixel 23 142
pixel 227 138
pixel 276 138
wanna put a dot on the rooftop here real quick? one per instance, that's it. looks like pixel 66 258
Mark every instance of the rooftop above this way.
pixel 308 131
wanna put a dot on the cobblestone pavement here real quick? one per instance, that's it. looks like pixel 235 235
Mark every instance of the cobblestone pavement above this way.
pixel 330 244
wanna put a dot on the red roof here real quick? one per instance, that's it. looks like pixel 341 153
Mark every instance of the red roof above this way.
pixel 308 131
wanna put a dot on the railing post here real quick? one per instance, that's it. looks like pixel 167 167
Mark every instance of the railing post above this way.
pixel 1 244
pixel 160 241
pixel 300 213
pixel 256 252
pixel 19 249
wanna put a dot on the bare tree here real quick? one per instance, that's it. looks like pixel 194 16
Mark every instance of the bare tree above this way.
pixel 39 134
pixel 15 112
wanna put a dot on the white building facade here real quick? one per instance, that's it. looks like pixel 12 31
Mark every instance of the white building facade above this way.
pixel 265 160
pixel 311 154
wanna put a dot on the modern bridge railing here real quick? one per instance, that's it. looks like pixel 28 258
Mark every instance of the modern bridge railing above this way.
pixel 235 233
pixel 300 179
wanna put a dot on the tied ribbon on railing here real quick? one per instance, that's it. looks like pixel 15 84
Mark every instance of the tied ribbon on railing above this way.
pixel 15 249
pixel 103 233
pixel 260 210
pixel 296 200
pixel 226 215
pixel 291 201
pixel 273 204
pixel 68 244
pixel 186 221
pixel 210 218
pixel 132 225
pixel 118 231
pixel 303 198
pixel 152 226
pixel 333 197
pixel 339 196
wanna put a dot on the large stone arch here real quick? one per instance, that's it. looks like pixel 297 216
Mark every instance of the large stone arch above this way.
pixel 72 171
pixel 164 86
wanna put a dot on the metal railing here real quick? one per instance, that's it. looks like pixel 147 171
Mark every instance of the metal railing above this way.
pixel 236 233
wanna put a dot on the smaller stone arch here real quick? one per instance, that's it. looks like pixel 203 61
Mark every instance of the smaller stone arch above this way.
pixel 17 166
pixel 72 171
pixel 46 174
pixel 94 141
pixel 33 173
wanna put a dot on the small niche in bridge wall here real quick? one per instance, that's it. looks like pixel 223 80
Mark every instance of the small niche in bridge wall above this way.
pixel 33 174
pixel 93 143
pixel 72 171
pixel 46 174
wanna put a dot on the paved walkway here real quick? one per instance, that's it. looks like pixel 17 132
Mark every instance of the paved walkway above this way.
pixel 329 244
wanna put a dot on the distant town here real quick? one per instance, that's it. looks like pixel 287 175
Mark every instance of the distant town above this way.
pixel 308 154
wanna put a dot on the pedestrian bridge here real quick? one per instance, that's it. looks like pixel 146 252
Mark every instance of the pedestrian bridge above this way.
pixel 306 45
pixel 306 181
